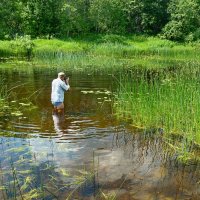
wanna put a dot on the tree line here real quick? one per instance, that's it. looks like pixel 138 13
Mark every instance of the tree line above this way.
pixel 177 20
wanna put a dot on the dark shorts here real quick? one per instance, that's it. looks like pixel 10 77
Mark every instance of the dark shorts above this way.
pixel 56 103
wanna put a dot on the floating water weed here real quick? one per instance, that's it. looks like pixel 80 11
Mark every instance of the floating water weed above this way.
pixel 12 108
pixel 64 172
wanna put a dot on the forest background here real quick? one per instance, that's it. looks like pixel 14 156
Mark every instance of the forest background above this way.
pixel 177 20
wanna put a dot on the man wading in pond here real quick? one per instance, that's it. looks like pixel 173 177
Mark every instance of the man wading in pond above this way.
pixel 59 86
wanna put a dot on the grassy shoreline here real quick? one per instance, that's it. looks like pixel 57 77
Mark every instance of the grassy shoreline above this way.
pixel 105 52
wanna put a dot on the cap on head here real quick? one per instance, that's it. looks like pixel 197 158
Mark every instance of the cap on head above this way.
pixel 60 74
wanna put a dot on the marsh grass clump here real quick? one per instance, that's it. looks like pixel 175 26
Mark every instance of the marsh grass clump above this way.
pixel 166 100
pixel 5 49
pixel 112 55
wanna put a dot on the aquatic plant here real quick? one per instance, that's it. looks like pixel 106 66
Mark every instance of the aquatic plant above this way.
pixel 10 107
pixel 166 100
pixel 108 196
pixel 3 98
pixel 24 177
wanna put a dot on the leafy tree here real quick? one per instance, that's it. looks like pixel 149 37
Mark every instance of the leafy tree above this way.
pixel 147 16
pixel 24 44
pixel 178 19
pixel 41 17
pixel 10 15
pixel 108 15
pixel 184 20
pixel 74 17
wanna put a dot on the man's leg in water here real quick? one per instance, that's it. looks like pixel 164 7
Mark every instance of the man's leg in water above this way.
pixel 60 108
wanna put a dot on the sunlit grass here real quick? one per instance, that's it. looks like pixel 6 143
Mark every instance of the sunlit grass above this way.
pixel 115 56
pixel 107 52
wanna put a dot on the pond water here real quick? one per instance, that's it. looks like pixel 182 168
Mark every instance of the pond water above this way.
pixel 85 153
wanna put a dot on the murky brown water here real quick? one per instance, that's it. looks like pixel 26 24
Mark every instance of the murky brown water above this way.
pixel 84 154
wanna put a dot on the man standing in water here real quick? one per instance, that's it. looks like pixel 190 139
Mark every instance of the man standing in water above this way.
pixel 59 86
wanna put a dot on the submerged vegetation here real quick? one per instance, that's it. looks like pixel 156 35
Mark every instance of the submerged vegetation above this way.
pixel 27 178
pixel 7 109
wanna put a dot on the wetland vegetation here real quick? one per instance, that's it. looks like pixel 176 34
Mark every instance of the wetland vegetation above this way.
pixel 158 80
pixel 155 91
pixel 131 127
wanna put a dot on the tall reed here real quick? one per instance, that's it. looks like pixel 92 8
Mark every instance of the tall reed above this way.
pixel 167 100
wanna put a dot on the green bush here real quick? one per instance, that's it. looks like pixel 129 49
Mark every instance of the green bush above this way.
pixel 23 45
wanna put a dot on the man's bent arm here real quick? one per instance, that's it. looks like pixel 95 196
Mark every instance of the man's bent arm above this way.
pixel 65 86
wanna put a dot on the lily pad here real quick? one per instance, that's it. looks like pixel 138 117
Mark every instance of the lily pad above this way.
pixel 17 113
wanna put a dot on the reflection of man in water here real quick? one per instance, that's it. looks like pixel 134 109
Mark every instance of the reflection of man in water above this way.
pixel 58 119
pixel 59 86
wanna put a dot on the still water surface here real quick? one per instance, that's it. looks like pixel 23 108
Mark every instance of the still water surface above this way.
pixel 85 153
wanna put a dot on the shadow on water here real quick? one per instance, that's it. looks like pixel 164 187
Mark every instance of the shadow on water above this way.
pixel 84 153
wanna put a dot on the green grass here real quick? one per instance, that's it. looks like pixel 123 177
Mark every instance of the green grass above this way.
pixel 8 50
pixel 106 52
pixel 102 55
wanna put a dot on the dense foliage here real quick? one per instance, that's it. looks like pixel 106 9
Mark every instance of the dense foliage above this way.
pixel 172 19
